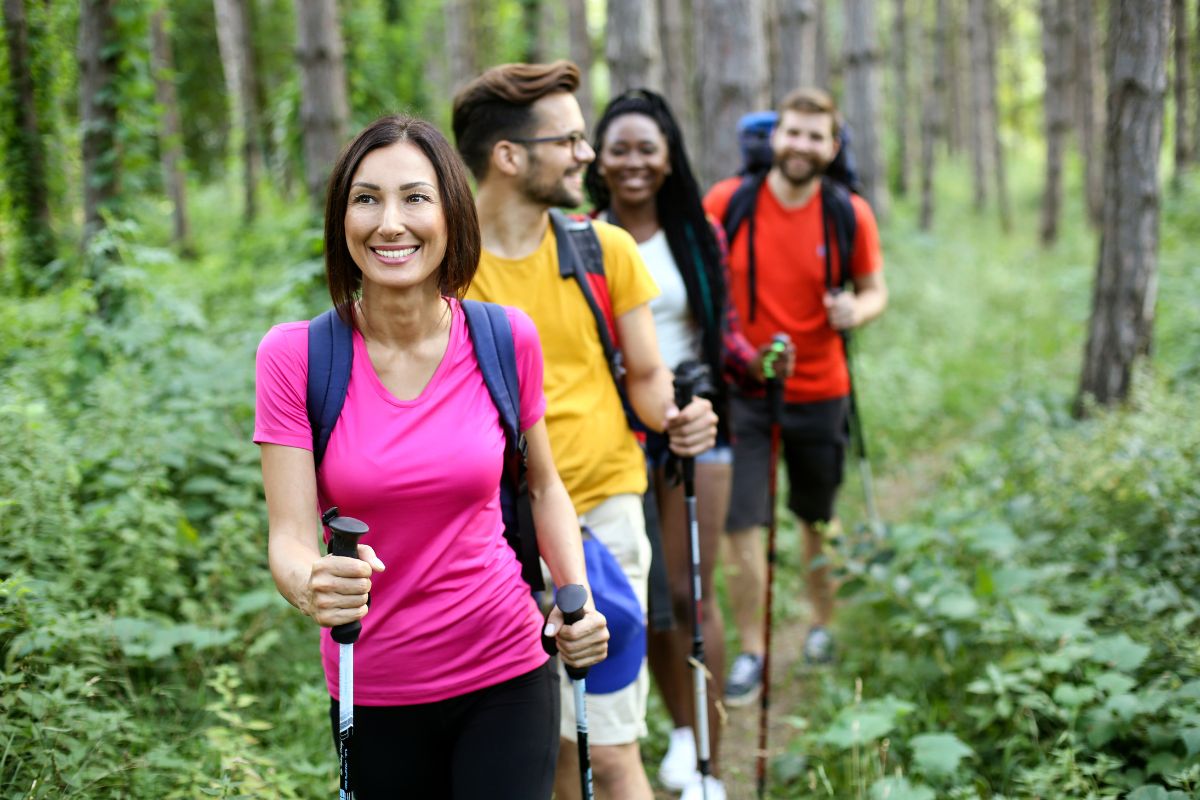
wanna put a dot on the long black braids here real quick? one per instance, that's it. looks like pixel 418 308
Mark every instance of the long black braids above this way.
pixel 682 218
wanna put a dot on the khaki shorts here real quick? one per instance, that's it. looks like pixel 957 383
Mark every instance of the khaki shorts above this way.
pixel 618 717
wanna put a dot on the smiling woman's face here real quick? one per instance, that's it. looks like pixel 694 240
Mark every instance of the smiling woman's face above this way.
pixel 634 160
pixel 395 226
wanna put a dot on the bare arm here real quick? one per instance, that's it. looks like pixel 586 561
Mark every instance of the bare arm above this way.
pixel 329 589
pixel 867 301
pixel 648 381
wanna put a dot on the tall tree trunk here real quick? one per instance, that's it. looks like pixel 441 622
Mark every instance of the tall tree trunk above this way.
pixel 729 32
pixel 1090 106
pixel 170 147
pixel 1196 72
pixel 1183 142
pixel 24 155
pixel 953 104
pixel 1123 300
pixel 323 107
pixel 531 18
pixel 582 55
pixel 862 100
pixel 900 93
pixel 459 47
pixel 822 74
pixel 551 25
pixel 97 111
pixel 234 42
pixel 991 27
pixel 632 46
pixel 979 122
pixel 931 115
pixel 793 46
pixel 675 27
pixel 1056 107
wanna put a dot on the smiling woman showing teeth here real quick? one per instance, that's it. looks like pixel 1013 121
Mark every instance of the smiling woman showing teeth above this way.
pixel 453 694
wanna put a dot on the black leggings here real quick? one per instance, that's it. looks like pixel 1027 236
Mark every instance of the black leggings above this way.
pixel 500 742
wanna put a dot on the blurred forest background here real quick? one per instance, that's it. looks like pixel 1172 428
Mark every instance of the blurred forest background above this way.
pixel 1030 627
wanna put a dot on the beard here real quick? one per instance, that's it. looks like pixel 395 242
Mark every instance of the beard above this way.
pixel 550 191
pixel 812 169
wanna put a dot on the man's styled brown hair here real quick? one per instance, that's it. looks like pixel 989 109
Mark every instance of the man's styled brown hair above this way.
pixel 810 100
pixel 496 106
pixel 463 244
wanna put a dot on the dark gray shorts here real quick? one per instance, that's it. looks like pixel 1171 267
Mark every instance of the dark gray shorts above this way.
pixel 813 445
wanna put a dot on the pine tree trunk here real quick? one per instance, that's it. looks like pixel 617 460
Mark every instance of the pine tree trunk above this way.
pixel 632 47
pixel 1183 154
pixel 822 74
pixel 170 147
pixel 931 115
pixel 674 26
pixel 581 54
pixel 729 32
pixel 953 102
pixel 1124 296
pixel 24 155
pixel 323 107
pixel 980 104
pixel 97 111
pixel 900 92
pixel 1196 72
pixel 459 46
pixel 1056 107
pixel 991 27
pixel 793 41
pixel 1090 106
pixel 234 42
pixel 862 100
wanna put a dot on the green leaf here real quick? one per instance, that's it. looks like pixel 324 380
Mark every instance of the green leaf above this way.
pixel 939 753
pixel 900 789
pixel 1073 696
pixel 1191 740
pixel 1148 792
pixel 864 722
pixel 957 605
pixel 1114 683
pixel 1120 651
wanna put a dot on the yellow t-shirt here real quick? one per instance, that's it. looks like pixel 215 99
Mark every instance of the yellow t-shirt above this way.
pixel 594 450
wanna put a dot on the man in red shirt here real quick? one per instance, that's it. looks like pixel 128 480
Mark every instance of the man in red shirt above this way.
pixel 789 286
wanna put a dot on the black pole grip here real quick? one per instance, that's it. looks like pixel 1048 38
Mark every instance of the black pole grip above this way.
pixel 344 533
pixel 570 600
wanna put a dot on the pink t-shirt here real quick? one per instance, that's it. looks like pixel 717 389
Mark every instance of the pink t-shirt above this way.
pixel 451 613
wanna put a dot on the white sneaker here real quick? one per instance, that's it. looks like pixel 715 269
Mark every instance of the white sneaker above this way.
pixel 678 767
pixel 709 789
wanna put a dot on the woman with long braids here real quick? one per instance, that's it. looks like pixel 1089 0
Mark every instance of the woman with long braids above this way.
pixel 642 181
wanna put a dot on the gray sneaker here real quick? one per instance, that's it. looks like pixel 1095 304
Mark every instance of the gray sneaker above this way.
pixel 745 680
pixel 818 646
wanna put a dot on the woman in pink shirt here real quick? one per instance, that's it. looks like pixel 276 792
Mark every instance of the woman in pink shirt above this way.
pixel 453 695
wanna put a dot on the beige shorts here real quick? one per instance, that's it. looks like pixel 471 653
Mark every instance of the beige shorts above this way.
pixel 618 717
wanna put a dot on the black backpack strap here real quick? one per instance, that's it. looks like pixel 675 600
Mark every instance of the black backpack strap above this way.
pixel 330 356
pixel 741 209
pixel 840 226
pixel 492 339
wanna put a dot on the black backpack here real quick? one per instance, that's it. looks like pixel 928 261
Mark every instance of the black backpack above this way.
pixel 331 356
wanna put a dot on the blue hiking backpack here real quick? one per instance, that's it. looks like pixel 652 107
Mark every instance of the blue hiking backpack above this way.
pixel 331 354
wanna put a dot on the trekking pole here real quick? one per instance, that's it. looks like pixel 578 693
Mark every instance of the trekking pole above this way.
pixel 860 442
pixel 775 409
pixel 689 377
pixel 343 541
pixel 571 599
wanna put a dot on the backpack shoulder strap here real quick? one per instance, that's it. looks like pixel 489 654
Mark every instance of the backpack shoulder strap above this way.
pixel 741 209
pixel 330 356
pixel 838 219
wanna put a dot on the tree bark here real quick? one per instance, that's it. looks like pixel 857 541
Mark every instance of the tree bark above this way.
pixel 674 22
pixel 531 19
pixel 1090 107
pixel 729 32
pixel 822 74
pixel 170 147
pixel 97 112
pixel 1123 299
pixel 234 42
pixel 991 27
pixel 632 47
pixel 24 155
pixel 931 116
pixel 323 107
pixel 953 103
pixel 900 92
pixel 1056 107
pixel 979 121
pixel 459 46
pixel 582 55
pixel 1183 153
pixel 793 42
pixel 862 100
pixel 1196 72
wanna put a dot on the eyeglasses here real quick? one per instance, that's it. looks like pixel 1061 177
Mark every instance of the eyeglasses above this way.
pixel 574 138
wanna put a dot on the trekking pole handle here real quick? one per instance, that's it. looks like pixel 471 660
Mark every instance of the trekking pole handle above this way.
pixel 779 345
pixel 344 533
pixel 688 378
pixel 571 600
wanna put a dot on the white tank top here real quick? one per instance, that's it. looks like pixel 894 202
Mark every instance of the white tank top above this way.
pixel 677 334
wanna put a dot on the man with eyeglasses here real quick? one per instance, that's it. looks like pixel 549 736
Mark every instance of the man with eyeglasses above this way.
pixel 521 132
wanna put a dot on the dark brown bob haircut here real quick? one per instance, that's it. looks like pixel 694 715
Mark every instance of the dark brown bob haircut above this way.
pixel 462 223
pixel 496 106
pixel 810 100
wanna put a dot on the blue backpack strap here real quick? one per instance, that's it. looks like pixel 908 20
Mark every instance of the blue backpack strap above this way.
pixel 330 356
pixel 492 338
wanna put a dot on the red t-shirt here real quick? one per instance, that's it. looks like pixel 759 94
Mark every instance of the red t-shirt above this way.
pixel 789 251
